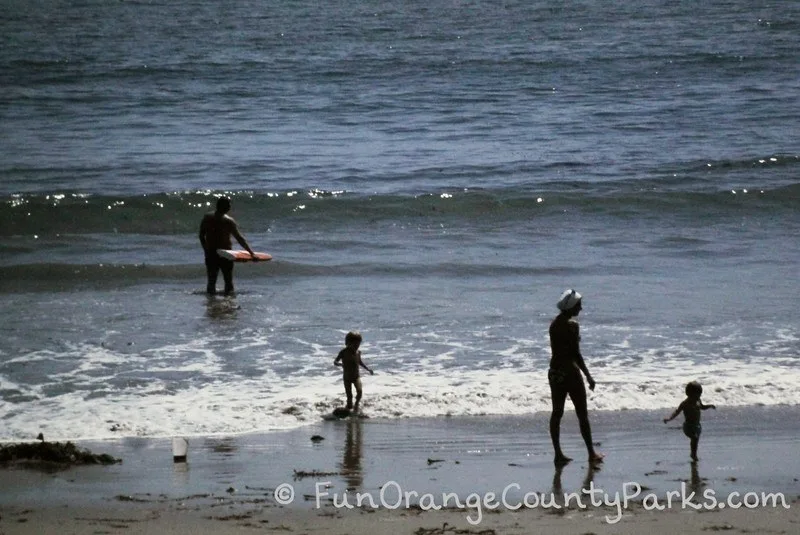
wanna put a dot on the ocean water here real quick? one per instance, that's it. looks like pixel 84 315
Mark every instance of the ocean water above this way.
pixel 432 175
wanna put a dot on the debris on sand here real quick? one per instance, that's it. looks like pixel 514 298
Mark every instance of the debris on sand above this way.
pixel 302 474
pixel 59 455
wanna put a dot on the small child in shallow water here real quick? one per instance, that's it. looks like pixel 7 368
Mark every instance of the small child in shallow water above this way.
pixel 691 407
pixel 349 359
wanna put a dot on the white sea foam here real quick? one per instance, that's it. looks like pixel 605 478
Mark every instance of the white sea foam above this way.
pixel 247 405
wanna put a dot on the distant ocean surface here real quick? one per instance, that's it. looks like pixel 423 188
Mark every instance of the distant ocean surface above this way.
pixel 432 174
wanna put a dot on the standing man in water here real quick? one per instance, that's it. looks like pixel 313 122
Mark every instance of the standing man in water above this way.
pixel 564 376
pixel 216 230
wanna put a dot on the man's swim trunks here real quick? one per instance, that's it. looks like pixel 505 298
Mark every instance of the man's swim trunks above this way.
pixel 215 264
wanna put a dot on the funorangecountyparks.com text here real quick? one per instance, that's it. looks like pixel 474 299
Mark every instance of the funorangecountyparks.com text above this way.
pixel 392 496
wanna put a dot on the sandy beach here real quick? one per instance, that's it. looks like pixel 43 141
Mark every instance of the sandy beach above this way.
pixel 430 476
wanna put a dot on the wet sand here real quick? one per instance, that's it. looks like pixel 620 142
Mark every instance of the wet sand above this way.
pixel 234 484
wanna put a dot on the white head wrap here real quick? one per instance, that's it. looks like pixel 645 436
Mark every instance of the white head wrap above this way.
pixel 569 299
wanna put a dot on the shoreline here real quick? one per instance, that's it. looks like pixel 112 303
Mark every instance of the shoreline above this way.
pixel 234 483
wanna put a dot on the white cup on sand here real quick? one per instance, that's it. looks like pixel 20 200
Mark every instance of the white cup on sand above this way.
pixel 180 447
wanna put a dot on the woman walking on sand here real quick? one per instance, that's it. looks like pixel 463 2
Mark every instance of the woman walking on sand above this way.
pixel 564 376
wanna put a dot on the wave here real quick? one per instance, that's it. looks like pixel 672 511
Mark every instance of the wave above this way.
pixel 178 213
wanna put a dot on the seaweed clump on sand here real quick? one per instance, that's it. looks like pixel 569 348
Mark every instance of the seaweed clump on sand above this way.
pixel 57 455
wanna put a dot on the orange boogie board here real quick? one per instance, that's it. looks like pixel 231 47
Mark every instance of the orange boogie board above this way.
pixel 241 255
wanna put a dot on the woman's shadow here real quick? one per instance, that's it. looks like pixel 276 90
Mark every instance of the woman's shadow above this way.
pixel 558 495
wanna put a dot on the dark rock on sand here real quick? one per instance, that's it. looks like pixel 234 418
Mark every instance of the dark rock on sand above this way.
pixel 59 455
